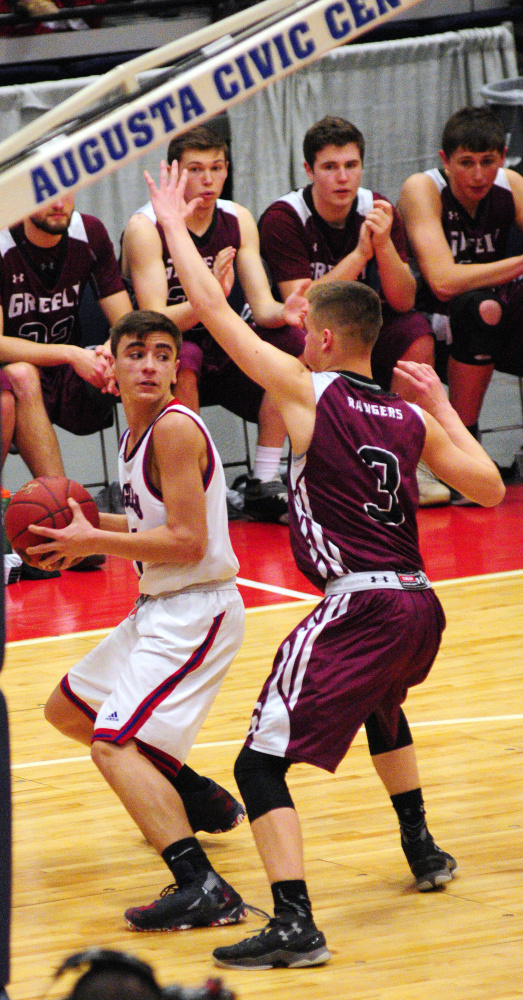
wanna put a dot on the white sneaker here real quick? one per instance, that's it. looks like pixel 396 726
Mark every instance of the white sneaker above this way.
pixel 432 492
pixel 12 568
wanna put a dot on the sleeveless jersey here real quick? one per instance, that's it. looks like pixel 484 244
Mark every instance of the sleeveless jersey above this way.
pixel 224 231
pixel 354 494
pixel 296 242
pixel 145 509
pixel 478 240
pixel 41 288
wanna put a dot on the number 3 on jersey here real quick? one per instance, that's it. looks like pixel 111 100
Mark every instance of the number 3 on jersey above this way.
pixel 385 467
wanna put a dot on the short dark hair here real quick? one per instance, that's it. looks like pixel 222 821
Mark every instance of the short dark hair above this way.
pixel 331 131
pixel 477 129
pixel 349 308
pixel 142 322
pixel 203 138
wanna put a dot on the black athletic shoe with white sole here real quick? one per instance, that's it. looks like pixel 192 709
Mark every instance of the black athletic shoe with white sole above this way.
pixel 212 809
pixel 207 901
pixel 430 866
pixel 265 502
pixel 288 942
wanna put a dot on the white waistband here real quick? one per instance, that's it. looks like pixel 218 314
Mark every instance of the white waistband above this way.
pixel 379 580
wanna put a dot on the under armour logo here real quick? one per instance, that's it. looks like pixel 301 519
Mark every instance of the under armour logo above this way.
pixel 17 277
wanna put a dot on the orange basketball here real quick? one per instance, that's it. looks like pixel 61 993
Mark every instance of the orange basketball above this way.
pixel 44 501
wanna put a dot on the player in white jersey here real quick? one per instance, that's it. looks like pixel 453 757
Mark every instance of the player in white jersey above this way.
pixel 139 698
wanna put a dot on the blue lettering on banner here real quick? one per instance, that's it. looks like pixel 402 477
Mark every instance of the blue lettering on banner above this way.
pixel 241 73
pixel 338 15
pixel 190 104
pixel 138 127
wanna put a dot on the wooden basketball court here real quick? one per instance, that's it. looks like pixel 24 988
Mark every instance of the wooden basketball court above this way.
pixel 79 861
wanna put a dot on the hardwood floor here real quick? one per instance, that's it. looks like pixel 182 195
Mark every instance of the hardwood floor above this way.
pixel 79 861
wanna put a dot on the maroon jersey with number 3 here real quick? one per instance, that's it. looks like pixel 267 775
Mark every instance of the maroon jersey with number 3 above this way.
pixel 354 493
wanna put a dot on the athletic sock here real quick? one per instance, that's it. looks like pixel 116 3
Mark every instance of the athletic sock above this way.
pixel 266 463
pixel 411 813
pixel 188 781
pixel 291 896
pixel 185 858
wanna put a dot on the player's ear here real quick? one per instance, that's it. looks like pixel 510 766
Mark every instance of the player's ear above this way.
pixel 444 158
pixel 308 170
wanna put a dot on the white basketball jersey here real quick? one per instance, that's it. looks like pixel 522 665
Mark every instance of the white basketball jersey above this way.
pixel 145 509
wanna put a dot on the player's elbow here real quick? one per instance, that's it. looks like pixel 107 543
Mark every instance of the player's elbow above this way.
pixel 444 288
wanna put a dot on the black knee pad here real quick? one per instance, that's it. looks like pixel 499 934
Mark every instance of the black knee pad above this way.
pixel 376 741
pixel 474 342
pixel 261 780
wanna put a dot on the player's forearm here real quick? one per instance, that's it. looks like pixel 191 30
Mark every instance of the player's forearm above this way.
pixel 348 269
pixel 202 289
pixel 459 278
pixel 268 312
pixel 181 547
pixel 113 522
pixel 397 281
pixel 14 349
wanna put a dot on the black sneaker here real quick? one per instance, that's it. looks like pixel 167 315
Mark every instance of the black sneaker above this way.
pixel 288 942
pixel 213 810
pixel 267 502
pixel 88 563
pixel 207 901
pixel 430 865
pixel 458 500
pixel 28 572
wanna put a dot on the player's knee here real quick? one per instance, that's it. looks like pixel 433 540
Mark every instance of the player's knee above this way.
pixel 476 322
pixel 261 780
pixel 376 740
pixel 421 350
pixel 490 311
pixel 24 379
pixel 104 755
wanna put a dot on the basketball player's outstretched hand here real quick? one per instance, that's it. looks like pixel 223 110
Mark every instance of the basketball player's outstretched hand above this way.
pixel 420 384
pixel 66 545
pixel 168 199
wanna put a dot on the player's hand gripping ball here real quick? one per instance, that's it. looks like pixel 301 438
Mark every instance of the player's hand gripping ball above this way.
pixel 44 501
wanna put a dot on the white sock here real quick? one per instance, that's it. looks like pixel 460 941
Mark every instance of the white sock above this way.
pixel 267 463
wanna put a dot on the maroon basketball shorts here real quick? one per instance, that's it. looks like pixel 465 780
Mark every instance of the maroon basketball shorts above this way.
pixel 73 403
pixel 353 655
pixel 222 383
pixel 398 333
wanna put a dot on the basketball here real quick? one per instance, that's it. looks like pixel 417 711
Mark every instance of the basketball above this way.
pixel 44 501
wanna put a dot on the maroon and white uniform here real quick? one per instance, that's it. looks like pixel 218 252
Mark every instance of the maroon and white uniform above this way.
pixel 41 290
pixel 480 240
pixel 296 242
pixel 220 381
pixel 352 502
pixel 154 678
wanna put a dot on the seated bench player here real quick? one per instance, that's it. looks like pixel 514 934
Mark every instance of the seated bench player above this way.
pixel 227 238
pixel 335 229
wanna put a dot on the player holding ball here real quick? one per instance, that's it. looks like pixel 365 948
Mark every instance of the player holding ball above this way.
pixel 139 698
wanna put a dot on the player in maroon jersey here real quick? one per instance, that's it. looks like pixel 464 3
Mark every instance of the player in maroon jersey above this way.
pixel 333 229
pixel 458 220
pixel 353 498
pixel 227 239
pixel 46 262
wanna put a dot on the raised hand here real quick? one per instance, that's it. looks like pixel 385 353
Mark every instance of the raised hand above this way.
pixel 168 199
pixel 296 305
pixel 418 383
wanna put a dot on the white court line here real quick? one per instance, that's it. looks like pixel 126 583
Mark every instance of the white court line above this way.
pixel 231 743
pixel 271 589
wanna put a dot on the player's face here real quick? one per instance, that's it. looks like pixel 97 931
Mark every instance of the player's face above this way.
pixel 56 218
pixel 471 175
pixel 207 171
pixel 336 177
pixel 146 369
